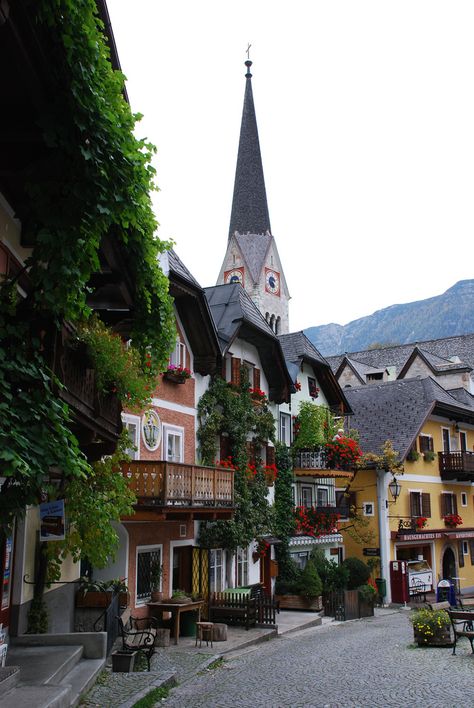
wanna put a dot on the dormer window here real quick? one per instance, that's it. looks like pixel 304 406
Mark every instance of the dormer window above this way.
pixel 178 355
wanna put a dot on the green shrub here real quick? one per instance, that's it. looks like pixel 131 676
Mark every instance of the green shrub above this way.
pixel 359 572
pixel 367 593
pixel 333 576
pixel 311 585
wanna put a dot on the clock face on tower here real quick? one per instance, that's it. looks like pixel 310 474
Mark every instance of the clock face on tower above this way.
pixel 272 281
pixel 236 275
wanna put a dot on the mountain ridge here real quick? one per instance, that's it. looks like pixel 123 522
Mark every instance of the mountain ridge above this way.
pixel 446 315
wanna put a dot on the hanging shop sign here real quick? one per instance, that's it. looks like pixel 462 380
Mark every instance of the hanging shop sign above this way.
pixel 52 521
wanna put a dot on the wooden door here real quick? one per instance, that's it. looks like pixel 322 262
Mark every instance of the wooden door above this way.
pixel 182 568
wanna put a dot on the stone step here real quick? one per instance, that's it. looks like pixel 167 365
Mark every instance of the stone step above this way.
pixel 43 665
pixel 81 678
pixel 9 676
pixel 37 697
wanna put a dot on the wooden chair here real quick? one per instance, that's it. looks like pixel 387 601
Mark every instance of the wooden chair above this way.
pixel 462 624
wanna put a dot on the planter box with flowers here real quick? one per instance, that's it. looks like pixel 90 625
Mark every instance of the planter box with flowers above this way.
pixel 452 520
pixel 259 397
pixel 431 627
pixel 177 374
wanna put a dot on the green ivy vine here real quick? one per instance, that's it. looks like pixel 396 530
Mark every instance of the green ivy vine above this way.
pixel 92 183
pixel 228 410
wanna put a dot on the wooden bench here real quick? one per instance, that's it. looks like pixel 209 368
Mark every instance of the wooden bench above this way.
pixel 462 624
pixel 233 608
pixel 138 634
pixel 438 605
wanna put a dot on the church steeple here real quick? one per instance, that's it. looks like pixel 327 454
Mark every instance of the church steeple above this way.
pixel 249 204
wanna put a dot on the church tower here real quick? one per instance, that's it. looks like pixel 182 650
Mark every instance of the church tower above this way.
pixel 251 257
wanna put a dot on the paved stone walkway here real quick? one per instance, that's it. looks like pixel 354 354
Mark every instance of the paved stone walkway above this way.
pixel 366 663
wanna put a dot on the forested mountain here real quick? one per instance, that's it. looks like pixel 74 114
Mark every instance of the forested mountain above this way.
pixel 446 315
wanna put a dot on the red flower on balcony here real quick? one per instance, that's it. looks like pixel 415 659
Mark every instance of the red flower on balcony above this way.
pixel 297 386
pixel 452 520
pixel 421 522
pixel 311 522
pixel 258 394
pixel 342 452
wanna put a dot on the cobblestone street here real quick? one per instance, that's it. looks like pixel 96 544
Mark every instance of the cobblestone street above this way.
pixel 371 662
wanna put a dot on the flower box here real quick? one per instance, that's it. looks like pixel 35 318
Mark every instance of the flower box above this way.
pixel 441 638
pixel 173 378
pixel 300 602
pixel 98 598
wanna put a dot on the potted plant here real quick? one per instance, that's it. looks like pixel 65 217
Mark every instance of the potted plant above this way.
pixel 413 455
pixel 302 593
pixel 98 593
pixel 421 522
pixel 366 596
pixel 429 455
pixel 179 597
pixel 431 627
pixel 156 573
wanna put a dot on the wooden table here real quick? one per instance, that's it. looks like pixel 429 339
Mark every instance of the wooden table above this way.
pixel 176 609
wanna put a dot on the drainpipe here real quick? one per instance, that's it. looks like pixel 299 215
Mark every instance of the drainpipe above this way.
pixel 384 529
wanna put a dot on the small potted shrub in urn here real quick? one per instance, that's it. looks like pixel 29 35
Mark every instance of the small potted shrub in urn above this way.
pixel 156 573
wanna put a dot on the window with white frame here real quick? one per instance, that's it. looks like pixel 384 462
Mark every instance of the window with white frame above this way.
pixel 426 443
pixel 306 496
pixel 242 559
pixel 465 548
pixel 131 424
pixel 173 443
pixel 216 570
pixel 147 557
pixel 178 355
pixel 462 441
pixel 448 503
pixel 446 440
pixel 322 496
pixel 463 499
pixel 285 429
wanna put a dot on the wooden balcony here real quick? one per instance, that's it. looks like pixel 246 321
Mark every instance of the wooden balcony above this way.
pixel 176 489
pixel 457 465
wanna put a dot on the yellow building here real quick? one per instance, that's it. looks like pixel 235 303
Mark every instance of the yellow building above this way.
pixel 432 518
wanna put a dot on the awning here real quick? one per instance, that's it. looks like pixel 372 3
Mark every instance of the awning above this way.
pixel 328 539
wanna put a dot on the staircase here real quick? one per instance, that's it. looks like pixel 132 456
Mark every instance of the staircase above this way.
pixel 46 676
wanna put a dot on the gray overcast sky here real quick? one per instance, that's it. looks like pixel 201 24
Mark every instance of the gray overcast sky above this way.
pixel 366 120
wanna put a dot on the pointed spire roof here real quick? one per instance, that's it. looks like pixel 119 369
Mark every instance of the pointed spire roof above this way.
pixel 249 204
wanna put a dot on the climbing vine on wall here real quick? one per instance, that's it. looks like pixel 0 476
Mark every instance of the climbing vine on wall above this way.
pixel 99 178
pixel 230 411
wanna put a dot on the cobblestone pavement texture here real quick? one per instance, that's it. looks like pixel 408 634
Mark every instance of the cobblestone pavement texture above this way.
pixel 114 689
pixel 366 663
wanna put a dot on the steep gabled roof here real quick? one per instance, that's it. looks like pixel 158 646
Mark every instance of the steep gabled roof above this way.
pixel 436 363
pixel 194 313
pixel 297 348
pixel 446 348
pixel 249 205
pixel 235 315
pixel 397 411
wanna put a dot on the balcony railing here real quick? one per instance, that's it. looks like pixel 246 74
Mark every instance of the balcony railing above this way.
pixel 311 460
pixel 174 484
pixel 457 465
pixel 316 460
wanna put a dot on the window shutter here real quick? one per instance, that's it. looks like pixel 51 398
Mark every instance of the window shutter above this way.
pixel 455 503
pixel 414 507
pixel 256 378
pixel 444 505
pixel 235 371
pixel 425 505
pixel 460 555
pixel 471 549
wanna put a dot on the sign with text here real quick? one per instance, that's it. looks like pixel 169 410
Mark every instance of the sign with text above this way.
pixel 371 551
pixel 52 521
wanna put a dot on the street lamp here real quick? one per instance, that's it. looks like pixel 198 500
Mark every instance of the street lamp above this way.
pixel 395 489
